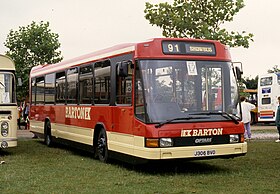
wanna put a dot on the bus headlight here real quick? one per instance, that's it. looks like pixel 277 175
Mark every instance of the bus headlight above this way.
pixel 233 138
pixel 4 128
pixel 156 143
pixel 165 142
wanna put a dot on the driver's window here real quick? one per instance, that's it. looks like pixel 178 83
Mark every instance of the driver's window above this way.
pixel 164 84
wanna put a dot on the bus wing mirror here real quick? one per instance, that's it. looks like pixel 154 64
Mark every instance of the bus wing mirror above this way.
pixel 122 68
pixel 238 73
pixel 238 70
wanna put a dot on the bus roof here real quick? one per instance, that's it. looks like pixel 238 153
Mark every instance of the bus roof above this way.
pixel 91 57
pixel 139 50
pixel 6 63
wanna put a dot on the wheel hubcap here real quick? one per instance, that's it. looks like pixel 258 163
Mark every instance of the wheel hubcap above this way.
pixel 48 140
pixel 101 146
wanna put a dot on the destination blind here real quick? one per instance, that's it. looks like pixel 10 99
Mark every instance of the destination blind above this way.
pixel 188 48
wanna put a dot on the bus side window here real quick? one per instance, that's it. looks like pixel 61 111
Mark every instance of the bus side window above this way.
pixel 86 85
pixel 72 81
pixel 40 90
pixel 50 89
pixel 60 88
pixel 102 72
pixel 124 88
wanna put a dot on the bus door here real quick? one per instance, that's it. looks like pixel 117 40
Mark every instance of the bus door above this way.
pixel 123 111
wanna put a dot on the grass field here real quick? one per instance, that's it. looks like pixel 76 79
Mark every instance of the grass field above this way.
pixel 34 168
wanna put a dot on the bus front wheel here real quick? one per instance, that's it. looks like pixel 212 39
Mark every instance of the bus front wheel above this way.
pixel 102 148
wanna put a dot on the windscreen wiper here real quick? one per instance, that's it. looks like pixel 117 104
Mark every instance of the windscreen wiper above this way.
pixel 2 84
pixel 223 114
pixel 177 119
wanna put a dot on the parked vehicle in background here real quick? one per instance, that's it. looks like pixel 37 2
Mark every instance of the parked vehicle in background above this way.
pixel 8 105
pixel 253 99
pixel 160 99
pixel 268 92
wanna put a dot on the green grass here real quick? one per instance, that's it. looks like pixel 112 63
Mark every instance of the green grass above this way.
pixel 265 131
pixel 34 168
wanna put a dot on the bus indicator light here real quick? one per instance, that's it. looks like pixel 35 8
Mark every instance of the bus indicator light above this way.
pixel 152 143
pixel 242 139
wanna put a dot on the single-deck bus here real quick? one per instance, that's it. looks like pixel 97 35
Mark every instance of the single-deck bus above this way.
pixel 8 106
pixel 160 99
pixel 268 92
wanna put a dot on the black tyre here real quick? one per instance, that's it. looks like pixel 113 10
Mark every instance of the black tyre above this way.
pixel 102 148
pixel 48 139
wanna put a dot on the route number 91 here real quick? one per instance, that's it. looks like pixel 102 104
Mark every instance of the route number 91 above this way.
pixel 173 48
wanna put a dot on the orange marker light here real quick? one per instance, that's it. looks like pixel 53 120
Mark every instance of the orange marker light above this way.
pixel 242 138
pixel 152 143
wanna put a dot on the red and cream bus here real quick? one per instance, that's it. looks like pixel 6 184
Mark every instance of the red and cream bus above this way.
pixel 8 105
pixel 152 100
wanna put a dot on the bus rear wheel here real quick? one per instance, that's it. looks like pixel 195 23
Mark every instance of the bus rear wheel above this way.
pixel 102 148
pixel 47 135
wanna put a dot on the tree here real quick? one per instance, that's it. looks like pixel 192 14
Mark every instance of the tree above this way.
pixel 198 19
pixel 32 45
pixel 251 83
pixel 274 69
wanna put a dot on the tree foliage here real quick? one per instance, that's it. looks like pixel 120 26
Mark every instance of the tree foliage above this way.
pixel 29 46
pixel 274 69
pixel 198 19
pixel 251 83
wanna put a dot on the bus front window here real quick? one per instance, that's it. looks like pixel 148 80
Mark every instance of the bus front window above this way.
pixel 176 88
pixel 7 90
pixel 211 88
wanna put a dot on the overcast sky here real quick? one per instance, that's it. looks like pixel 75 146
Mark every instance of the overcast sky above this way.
pixel 89 25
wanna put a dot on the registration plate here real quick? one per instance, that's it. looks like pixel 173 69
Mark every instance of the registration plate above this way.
pixel 202 153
